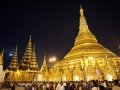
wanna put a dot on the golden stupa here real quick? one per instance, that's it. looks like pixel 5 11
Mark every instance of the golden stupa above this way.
pixel 87 60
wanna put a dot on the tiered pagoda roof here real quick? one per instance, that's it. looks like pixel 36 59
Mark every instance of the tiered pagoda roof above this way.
pixel 33 63
pixel 24 63
pixel 28 61
pixel 14 63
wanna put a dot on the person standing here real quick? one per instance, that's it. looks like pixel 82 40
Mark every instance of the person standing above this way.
pixel 33 85
pixel 116 87
pixel 109 85
pixel 60 86
pixel 101 86
pixel 47 85
pixel 95 86
pixel 13 87
pixel 38 86
pixel 44 86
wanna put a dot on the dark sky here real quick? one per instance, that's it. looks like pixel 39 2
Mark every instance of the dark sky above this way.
pixel 54 25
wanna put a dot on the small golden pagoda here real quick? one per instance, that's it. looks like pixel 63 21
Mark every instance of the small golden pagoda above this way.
pixel 87 60
pixel 14 63
pixel 44 69
pixel 24 63
pixel 33 63
pixel 27 69
pixel 13 66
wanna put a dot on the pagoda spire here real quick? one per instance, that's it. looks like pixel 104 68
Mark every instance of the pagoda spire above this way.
pixel 30 38
pixel 44 66
pixel 34 48
pixel 24 63
pixel 16 49
pixel 33 63
pixel 45 58
pixel 82 17
pixel 83 27
pixel 84 35
pixel 14 63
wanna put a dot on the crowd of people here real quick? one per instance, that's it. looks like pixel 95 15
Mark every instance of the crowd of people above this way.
pixel 71 85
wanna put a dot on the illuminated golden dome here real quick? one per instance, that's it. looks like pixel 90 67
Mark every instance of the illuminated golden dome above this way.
pixel 87 56
pixel 86 42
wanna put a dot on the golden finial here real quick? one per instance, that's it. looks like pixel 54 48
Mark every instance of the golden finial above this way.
pixel 2 53
pixel 30 38
pixel 81 10
pixel 16 48
pixel 80 6
pixel 45 56
pixel 34 48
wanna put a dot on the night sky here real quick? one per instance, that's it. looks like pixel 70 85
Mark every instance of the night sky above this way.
pixel 54 26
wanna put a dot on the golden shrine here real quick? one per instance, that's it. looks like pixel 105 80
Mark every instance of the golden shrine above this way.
pixel 27 68
pixel 87 60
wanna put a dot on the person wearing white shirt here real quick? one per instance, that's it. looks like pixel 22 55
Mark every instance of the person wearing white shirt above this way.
pixel 104 84
pixel 47 85
pixel 60 86
pixel 64 84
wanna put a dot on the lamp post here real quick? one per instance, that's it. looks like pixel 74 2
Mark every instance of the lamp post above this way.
pixel 52 60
